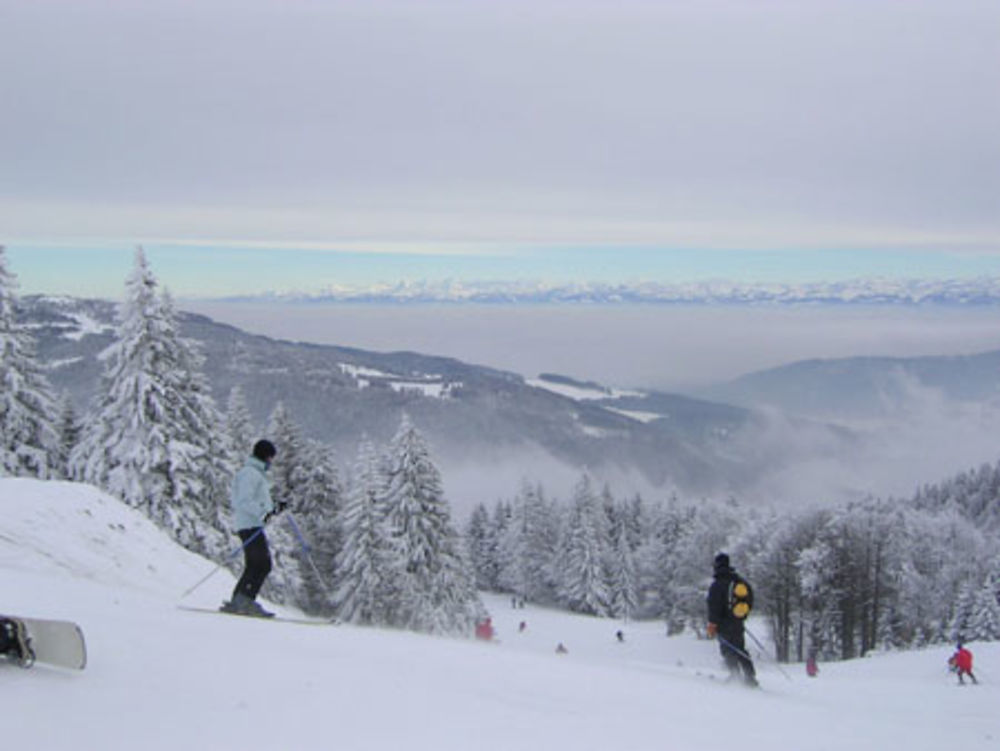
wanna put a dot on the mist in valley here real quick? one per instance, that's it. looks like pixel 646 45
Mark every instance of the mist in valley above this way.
pixel 919 436
pixel 663 347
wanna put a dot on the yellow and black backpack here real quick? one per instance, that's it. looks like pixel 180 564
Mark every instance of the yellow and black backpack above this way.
pixel 740 598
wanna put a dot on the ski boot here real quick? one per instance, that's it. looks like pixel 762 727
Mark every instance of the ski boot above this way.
pixel 243 605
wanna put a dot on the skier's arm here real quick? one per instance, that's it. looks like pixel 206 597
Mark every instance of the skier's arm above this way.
pixel 716 605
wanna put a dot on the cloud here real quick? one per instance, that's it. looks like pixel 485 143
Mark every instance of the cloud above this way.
pixel 681 123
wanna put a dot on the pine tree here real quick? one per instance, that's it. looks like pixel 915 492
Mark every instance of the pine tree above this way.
pixel 152 439
pixel 583 586
pixel 481 547
pixel 525 548
pixel 70 429
pixel 290 468
pixel 438 593
pixel 366 568
pixel 983 623
pixel 239 426
pixel 624 580
pixel 318 512
pixel 28 436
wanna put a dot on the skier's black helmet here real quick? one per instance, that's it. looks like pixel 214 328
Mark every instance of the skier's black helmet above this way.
pixel 264 450
pixel 721 562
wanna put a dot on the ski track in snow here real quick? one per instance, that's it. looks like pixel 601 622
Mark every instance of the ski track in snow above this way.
pixel 163 678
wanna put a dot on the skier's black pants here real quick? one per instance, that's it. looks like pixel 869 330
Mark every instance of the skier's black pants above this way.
pixel 257 562
pixel 734 652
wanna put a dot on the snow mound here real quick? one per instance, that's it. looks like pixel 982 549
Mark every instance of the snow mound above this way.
pixel 76 529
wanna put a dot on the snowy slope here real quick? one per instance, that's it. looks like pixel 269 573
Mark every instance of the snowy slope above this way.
pixel 163 678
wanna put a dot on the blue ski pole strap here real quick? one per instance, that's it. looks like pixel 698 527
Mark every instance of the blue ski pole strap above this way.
pixel 298 532
pixel 229 555
pixel 251 538
pixel 733 648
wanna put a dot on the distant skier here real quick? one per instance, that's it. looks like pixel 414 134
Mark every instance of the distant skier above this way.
pixel 484 629
pixel 812 669
pixel 961 663
pixel 252 507
pixel 729 601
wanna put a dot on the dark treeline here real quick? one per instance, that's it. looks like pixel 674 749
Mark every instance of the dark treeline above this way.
pixel 875 574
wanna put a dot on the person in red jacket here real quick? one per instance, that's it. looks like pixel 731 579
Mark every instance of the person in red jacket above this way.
pixel 484 629
pixel 961 663
pixel 812 668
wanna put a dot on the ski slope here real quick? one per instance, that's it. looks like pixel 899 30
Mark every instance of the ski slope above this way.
pixel 163 678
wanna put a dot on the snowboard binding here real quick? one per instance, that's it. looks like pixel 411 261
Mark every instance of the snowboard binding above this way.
pixel 15 644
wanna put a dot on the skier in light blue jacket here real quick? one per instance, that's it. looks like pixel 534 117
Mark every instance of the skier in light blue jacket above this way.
pixel 252 506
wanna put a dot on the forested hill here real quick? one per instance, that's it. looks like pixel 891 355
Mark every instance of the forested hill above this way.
pixel 471 415
pixel 974 494
pixel 864 387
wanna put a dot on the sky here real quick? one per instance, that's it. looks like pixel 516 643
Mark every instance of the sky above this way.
pixel 261 145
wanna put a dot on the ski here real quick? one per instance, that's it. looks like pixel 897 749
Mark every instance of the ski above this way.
pixel 278 618
pixel 28 641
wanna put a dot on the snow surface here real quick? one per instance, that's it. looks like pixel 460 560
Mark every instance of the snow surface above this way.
pixel 430 385
pixel 580 392
pixel 638 416
pixel 83 324
pixel 163 678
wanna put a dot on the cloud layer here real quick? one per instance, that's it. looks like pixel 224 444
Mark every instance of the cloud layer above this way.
pixel 717 124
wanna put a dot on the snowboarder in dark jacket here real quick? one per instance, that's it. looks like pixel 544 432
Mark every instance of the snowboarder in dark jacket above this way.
pixel 724 624
pixel 252 506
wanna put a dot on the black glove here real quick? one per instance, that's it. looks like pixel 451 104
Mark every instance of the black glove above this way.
pixel 278 508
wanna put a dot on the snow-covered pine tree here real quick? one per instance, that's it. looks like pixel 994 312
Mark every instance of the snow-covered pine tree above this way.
pixel 28 435
pixel 964 608
pixel 624 579
pixel 480 544
pixel 319 502
pixel 527 545
pixel 695 534
pixel 983 623
pixel 367 570
pixel 213 471
pixel 152 439
pixel 438 593
pixel 503 512
pixel 289 469
pixel 583 585
pixel 239 426
pixel 70 428
pixel 512 550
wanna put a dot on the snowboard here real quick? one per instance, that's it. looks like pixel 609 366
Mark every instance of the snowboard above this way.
pixel 50 642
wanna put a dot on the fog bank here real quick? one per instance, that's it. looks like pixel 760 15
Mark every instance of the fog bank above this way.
pixel 646 346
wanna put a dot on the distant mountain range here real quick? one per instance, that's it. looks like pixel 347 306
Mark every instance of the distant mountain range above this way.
pixel 868 291
pixel 493 427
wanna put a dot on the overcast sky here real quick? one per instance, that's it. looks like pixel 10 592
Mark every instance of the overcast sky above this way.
pixel 503 128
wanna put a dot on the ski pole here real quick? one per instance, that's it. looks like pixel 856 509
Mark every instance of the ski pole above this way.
pixel 305 549
pixel 229 555
pixel 733 648
pixel 764 651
